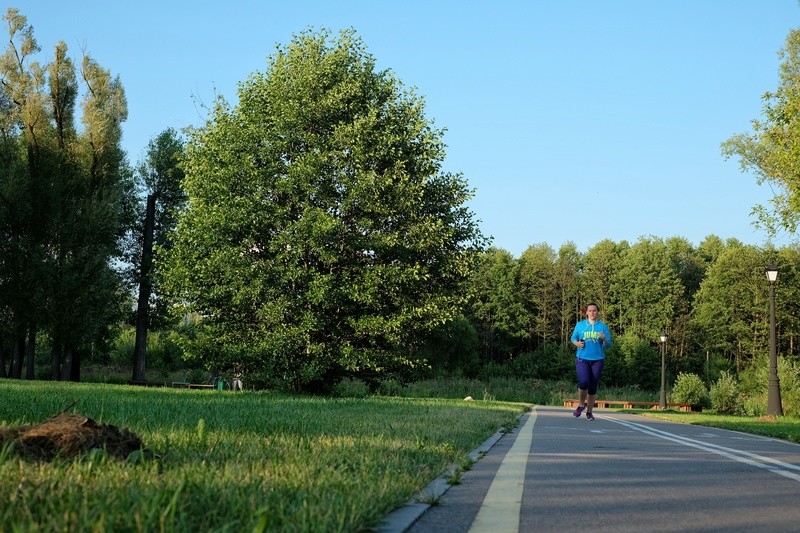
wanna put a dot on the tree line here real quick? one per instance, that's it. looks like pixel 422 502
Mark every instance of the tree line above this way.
pixel 308 233
pixel 711 300
pixel 71 206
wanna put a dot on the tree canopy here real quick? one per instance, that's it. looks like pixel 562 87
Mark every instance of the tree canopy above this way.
pixel 772 150
pixel 63 192
pixel 321 234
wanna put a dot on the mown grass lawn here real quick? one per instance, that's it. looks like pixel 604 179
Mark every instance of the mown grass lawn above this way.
pixel 785 428
pixel 222 461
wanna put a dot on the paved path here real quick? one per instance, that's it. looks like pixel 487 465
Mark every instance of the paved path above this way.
pixel 620 473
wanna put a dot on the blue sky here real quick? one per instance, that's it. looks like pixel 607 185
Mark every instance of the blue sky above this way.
pixel 573 120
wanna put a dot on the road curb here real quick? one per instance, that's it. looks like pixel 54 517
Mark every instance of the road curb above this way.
pixel 404 517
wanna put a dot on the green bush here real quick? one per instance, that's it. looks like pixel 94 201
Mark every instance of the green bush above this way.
pixel 494 370
pixel 163 350
pixel 389 387
pixel 725 394
pixel 633 361
pixel 689 388
pixel 754 381
pixel 351 388
pixel 124 345
pixel 789 375
pixel 754 405
pixel 452 348
pixel 550 361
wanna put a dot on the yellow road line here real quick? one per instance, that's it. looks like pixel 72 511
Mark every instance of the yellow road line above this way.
pixel 500 510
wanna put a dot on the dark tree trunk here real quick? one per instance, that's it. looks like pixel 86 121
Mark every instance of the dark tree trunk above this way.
pixel 3 373
pixel 30 354
pixel 66 366
pixel 75 367
pixel 55 361
pixel 145 287
pixel 18 353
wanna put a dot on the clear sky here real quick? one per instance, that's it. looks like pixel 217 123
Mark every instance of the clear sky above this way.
pixel 573 120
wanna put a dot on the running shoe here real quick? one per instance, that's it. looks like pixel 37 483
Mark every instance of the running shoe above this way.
pixel 578 410
pixel 589 416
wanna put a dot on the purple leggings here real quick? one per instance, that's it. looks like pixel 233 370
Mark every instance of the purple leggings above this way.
pixel 589 374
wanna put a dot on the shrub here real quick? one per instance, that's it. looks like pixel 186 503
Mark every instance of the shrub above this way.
pixel 633 361
pixel 550 361
pixel 789 375
pixel 689 388
pixel 389 387
pixel 351 388
pixel 122 352
pixel 754 406
pixel 754 381
pixel 725 395
pixel 452 348
pixel 494 370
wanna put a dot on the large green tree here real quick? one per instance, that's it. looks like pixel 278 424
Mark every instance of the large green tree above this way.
pixel 772 150
pixel 652 289
pixel 601 281
pixel 62 192
pixel 730 310
pixel 161 176
pixel 539 290
pixel 497 307
pixel 321 234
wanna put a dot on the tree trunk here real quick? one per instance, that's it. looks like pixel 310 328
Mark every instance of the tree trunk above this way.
pixel 3 362
pixel 145 287
pixel 55 361
pixel 30 354
pixel 75 367
pixel 66 367
pixel 18 353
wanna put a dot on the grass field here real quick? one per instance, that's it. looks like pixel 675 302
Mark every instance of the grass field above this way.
pixel 262 461
pixel 230 462
pixel 785 428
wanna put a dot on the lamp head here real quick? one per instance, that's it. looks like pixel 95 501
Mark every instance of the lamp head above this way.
pixel 771 272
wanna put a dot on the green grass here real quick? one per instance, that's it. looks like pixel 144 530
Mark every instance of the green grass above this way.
pixel 786 428
pixel 225 461
pixel 262 461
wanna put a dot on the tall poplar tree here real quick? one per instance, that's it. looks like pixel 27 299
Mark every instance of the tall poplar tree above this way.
pixel 61 200
pixel 161 175
pixel 539 289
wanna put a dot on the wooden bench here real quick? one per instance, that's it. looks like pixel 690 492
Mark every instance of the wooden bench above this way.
pixel 629 404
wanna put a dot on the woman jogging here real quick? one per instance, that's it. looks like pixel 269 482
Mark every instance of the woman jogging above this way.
pixel 592 339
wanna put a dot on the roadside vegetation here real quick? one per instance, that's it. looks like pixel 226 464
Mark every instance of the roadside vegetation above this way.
pixel 247 461
pixel 309 235
pixel 785 428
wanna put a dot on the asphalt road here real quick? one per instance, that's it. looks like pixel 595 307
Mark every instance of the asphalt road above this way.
pixel 621 473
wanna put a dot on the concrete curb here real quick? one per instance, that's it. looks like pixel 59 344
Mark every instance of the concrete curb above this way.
pixel 403 518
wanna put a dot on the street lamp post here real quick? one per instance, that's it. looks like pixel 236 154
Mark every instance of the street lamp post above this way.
pixel 774 391
pixel 662 398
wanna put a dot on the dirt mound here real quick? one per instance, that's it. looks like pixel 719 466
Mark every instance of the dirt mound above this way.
pixel 69 435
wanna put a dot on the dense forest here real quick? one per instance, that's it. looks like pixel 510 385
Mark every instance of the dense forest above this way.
pixel 309 234
pixel 711 300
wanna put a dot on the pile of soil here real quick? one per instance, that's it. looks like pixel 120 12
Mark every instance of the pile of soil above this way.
pixel 69 435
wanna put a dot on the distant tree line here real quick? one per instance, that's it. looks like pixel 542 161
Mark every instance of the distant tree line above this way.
pixel 710 299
